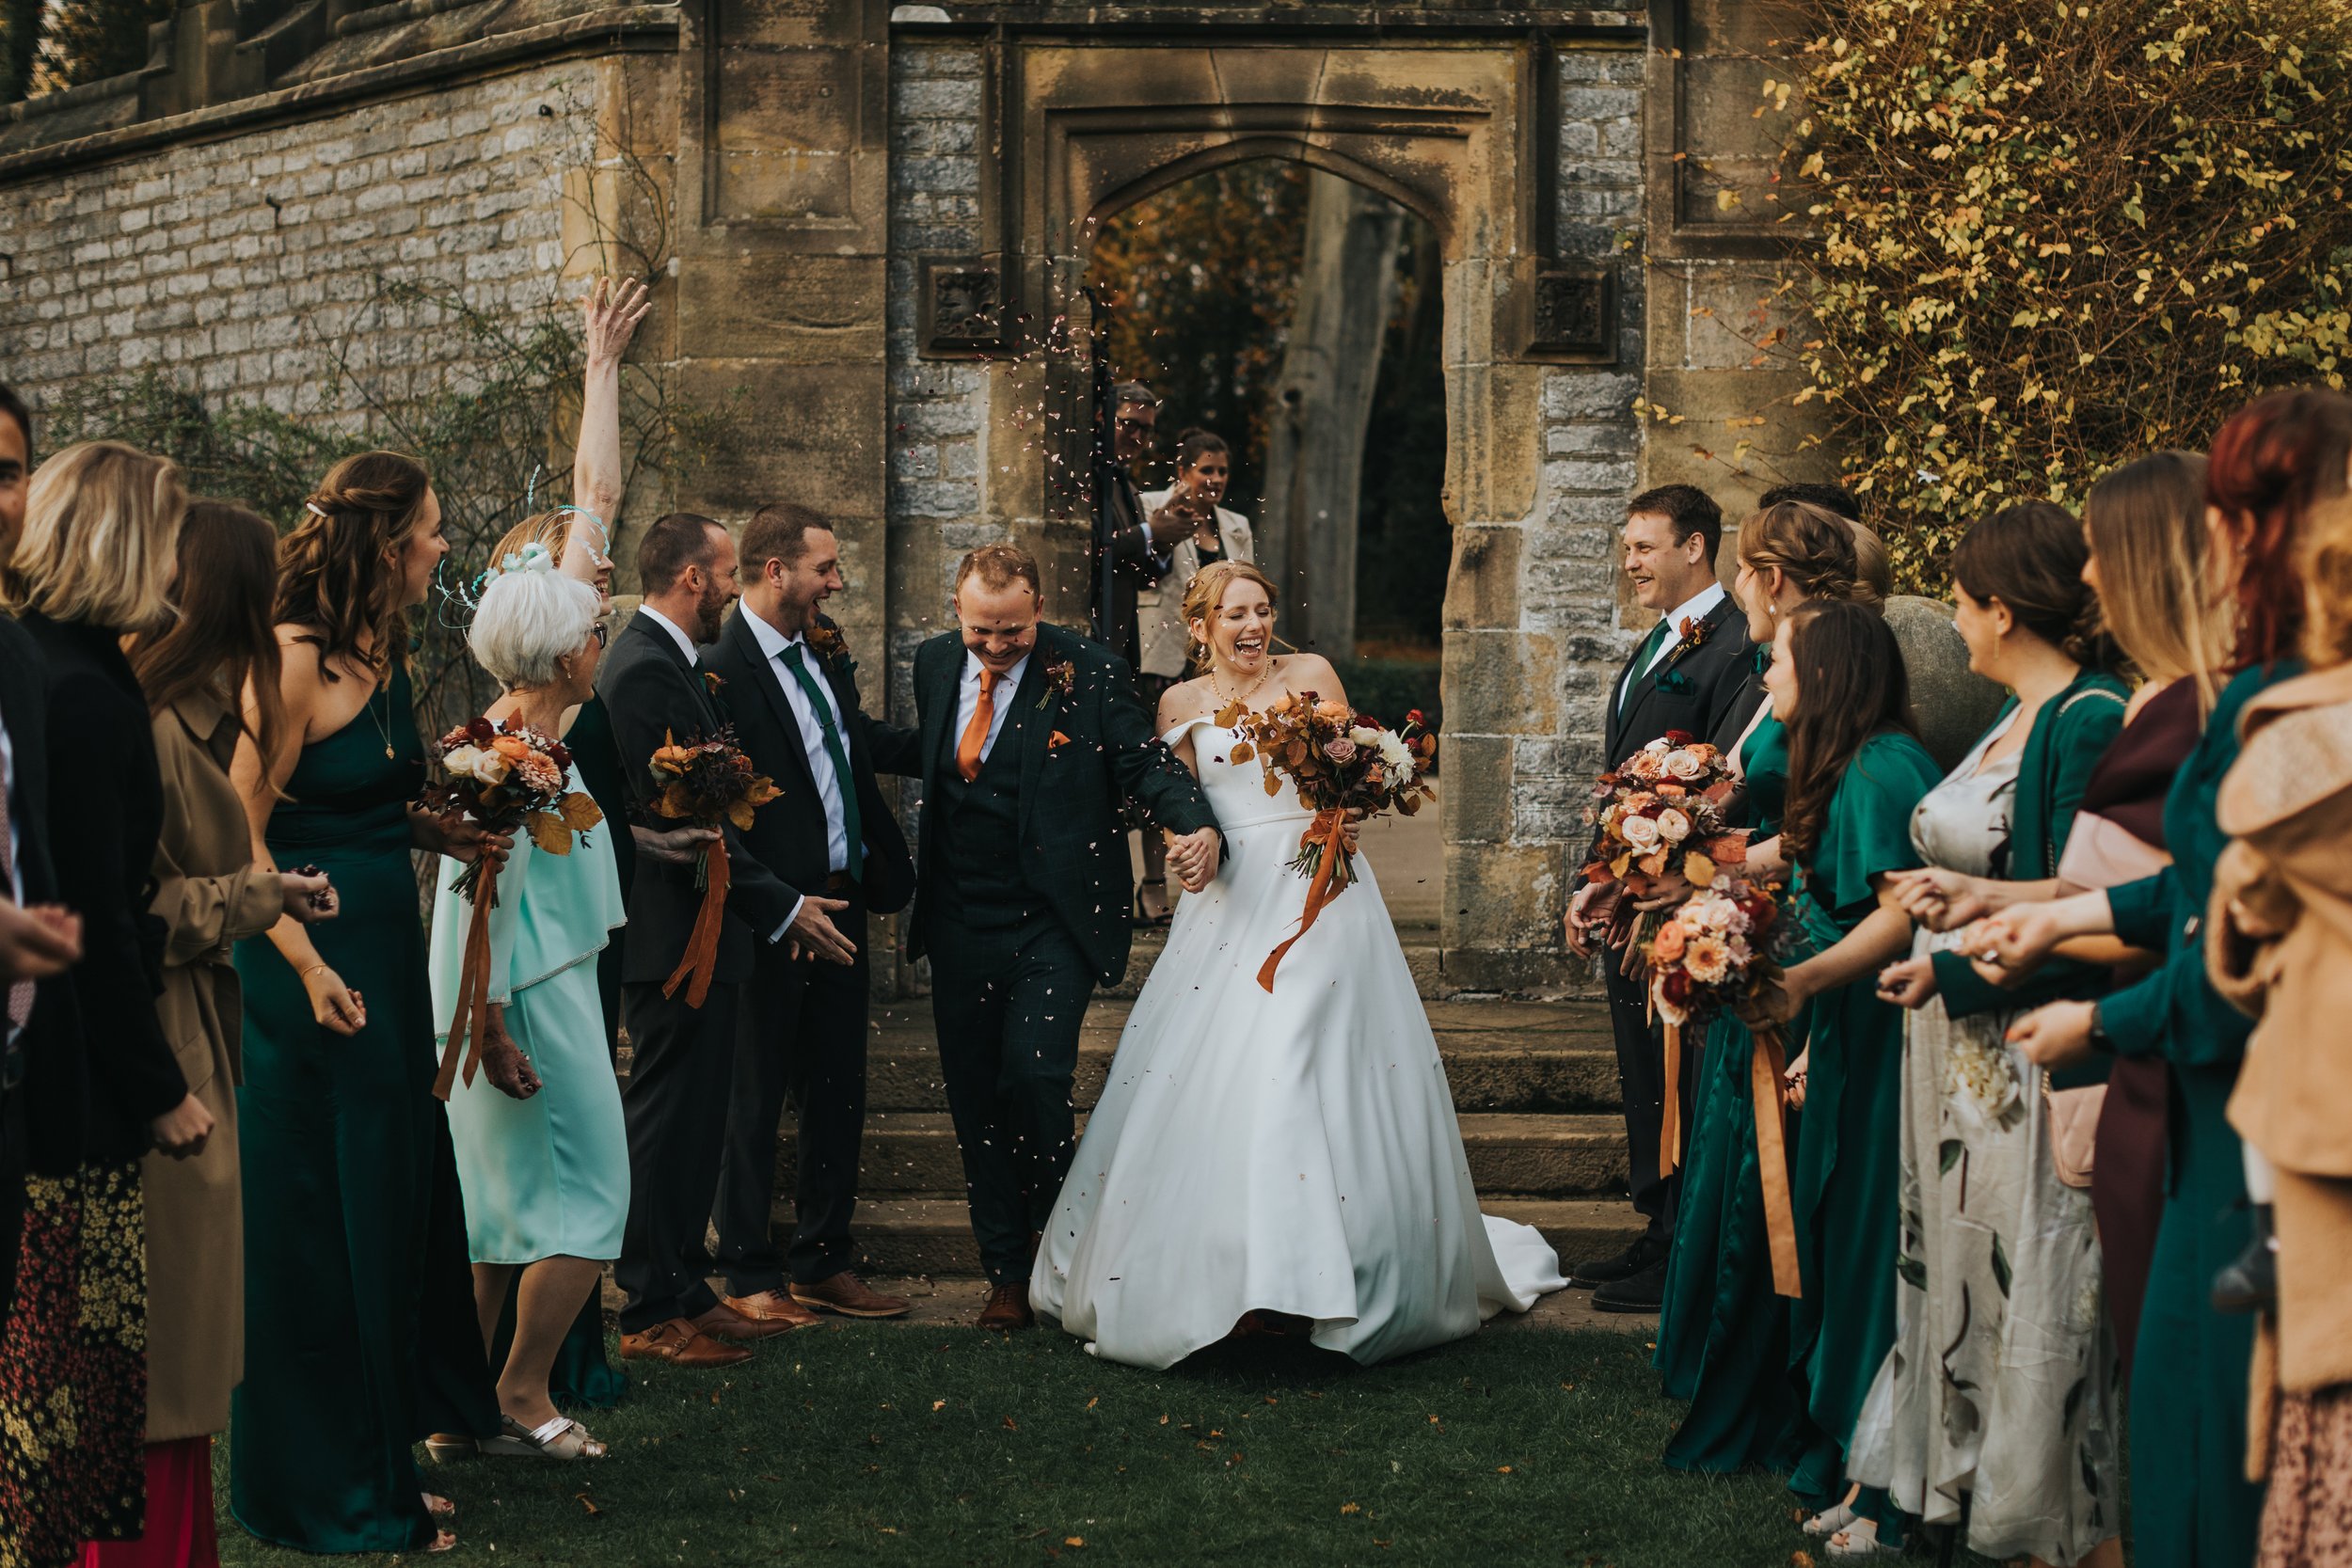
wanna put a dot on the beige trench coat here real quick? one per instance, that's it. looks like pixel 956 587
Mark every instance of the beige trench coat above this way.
pixel 210 895
pixel 1160 609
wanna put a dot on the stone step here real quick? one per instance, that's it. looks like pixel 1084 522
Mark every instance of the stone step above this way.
pixel 1498 1057
pixel 913 1154
pixel 932 1236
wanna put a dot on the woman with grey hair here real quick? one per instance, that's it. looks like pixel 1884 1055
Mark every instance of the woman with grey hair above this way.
pixel 542 1151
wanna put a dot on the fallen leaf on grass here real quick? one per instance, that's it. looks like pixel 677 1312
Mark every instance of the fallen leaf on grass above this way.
pixel 1011 1425
pixel 1074 1540
pixel 1163 1420
pixel 1093 1402
pixel 1377 1542
pixel 1800 1559
pixel 1351 1508
pixel 1502 1469
pixel 939 1405
pixel 589 1503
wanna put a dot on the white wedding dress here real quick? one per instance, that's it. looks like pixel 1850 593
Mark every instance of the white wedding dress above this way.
pixel 1294 1152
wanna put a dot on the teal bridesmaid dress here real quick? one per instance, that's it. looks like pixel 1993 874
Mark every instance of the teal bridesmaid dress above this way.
pixel 1723 1332
pixel 1843 1184
pixel 360 1333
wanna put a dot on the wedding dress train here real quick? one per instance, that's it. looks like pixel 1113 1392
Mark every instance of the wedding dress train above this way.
pixel 1292 1152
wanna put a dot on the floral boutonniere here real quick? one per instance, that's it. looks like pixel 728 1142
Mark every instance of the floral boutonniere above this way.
pixel 826 642
pixel 712 681
pixel 1694 635
pixel 1060 681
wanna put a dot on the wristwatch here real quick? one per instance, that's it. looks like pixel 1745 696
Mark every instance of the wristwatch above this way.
pixel 2100 1040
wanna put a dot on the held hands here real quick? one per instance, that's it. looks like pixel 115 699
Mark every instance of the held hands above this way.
pixel 37 940
pixel 1578 922
pixel 1910 983
pixel 2017 939
pixel 813 934
pixel 1939 899
pixel 1194 857
pixel 612 309
pixel 1667 891
pixel 502 1061
pixel 676 847
pixel 334 1005
pixel 181 1131
pixel 2056 1036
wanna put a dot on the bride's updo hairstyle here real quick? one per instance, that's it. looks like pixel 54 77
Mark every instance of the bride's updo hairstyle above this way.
pixel 335 570
pixel 1207 591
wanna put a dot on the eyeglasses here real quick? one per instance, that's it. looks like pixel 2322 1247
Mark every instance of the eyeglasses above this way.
pixel 1140 427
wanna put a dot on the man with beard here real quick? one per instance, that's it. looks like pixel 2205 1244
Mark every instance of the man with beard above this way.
pixel 683 1056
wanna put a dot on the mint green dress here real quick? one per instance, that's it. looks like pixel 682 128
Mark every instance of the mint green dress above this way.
pixel 545 1177
pixel 1845 1170
pixel 360 1332
pixel 1723 1332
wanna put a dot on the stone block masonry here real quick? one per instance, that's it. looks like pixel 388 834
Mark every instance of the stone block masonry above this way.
pixel 236 265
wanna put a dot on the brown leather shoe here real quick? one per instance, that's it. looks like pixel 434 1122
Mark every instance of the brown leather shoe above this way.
pixel 681 1344
pixel 723 1322
pixel 1007 1308
pixel 771 1306
pixel 848 1295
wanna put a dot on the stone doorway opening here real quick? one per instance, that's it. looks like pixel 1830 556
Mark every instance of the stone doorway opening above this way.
pixel 1295 316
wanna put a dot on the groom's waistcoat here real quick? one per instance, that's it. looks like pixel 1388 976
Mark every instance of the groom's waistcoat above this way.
pixel 979 826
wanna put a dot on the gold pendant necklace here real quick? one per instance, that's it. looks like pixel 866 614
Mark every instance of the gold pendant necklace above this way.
pixel 1218 686
pixel 383 725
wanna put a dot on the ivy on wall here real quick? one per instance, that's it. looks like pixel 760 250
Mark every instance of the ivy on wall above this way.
pixel 2048 237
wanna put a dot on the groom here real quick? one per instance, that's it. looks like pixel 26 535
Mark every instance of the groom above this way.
pixel 1032 739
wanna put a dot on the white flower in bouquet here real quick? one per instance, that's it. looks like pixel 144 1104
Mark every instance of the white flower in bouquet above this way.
pixel 1393 752
pixel 1364 735
pixel 462 762
pixel 1673 826
pixel 1683 764
pixel 1639 832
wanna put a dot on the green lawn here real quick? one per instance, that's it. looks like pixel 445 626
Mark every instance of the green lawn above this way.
pixel 889 1445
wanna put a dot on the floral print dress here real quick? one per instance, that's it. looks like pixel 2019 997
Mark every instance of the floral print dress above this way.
pixel 2001 1385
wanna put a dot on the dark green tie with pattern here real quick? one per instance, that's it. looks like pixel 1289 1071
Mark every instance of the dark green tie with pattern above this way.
pixel 1640 664
pixel 843 779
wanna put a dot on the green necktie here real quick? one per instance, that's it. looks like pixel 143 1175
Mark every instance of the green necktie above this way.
pixel 843 779
pixel 1641 663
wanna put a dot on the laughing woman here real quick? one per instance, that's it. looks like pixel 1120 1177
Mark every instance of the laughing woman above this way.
pixel 1854 776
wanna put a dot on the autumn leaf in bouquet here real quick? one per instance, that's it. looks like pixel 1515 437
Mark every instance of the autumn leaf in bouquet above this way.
pixel 509 778
pixel 710 784
pixel 1346 767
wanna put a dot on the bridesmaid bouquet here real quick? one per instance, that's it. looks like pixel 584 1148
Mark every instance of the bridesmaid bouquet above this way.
pixel 1661 814
pixel 1346 765
pixel 1713 955
pixel 509 778
pixel 710 784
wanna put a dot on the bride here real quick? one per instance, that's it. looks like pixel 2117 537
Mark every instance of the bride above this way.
pixel 1267 1156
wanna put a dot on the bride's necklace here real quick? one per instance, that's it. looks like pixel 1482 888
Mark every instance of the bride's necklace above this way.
pixel 1242 696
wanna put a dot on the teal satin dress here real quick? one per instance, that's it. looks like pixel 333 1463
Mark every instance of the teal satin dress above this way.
pixel 361 1333
pixel 1846 1172
pixel 1723 1332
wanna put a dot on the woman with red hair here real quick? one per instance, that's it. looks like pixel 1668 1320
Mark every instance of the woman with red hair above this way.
pixel 2272 464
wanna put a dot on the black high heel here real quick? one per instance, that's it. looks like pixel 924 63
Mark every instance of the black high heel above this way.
pixel 1142 921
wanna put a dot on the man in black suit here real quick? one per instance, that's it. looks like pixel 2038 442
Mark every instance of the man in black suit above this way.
pixel 682 1057
pixel 1682 675
pixel 1140 540
pixel 1032 740
pixel 791 688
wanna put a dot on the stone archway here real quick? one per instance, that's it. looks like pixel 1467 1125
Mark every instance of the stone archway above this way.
pixel 1465 131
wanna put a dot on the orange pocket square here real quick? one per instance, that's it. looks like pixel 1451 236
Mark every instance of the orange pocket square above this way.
pixel 1057 739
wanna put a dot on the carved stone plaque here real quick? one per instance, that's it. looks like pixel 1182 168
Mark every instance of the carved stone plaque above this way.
pixel 1574 313
pixel 962 308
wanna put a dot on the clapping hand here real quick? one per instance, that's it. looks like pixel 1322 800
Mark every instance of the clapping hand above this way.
pixel 1194 857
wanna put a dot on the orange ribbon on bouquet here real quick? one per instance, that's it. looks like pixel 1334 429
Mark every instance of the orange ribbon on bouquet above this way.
pixel 1329 828
pixel 467 1029
pixel 1772 1158
pixel 1670 1129
pixel 702 947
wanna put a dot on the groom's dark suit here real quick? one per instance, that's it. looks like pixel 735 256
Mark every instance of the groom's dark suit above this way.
pixel 1022 900
pixel 682 1058
pixel 802 1030
pixel 1689 688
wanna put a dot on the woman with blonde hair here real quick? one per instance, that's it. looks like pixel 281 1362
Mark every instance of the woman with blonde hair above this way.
pixel 359 1325
pixel 102 1083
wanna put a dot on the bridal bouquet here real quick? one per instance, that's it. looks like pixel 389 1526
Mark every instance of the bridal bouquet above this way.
pixel 710 784
pixel 508 778
pixel 1714 954
pixel 1659 814
pixel 1347 767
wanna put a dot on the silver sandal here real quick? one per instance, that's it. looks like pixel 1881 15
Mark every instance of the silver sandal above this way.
pixel 560 1437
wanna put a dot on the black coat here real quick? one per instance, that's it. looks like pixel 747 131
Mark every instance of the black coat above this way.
pixel 654 695
pixel 24 715
pixel 1074 845
pixel 98 1071
pixel 1690 690
pixel 788 835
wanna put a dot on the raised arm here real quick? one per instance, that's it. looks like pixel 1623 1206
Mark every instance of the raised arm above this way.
pixel 611 311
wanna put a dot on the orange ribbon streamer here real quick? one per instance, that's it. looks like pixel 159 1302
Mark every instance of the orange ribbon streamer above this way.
pixel 1670 1129
pixel 702 948
pixel 1772 1158
pixel 467 1031
pixel 1330 826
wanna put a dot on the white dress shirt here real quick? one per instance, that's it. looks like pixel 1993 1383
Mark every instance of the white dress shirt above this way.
pixel 1696 607
pixel 677 634
pixel 968 698
pixel 773 644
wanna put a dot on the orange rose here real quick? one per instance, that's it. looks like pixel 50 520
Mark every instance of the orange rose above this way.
pixel 513 748
pixel 1667 947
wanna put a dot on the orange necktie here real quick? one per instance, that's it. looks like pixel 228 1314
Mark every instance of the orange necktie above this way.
pixel 976 733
